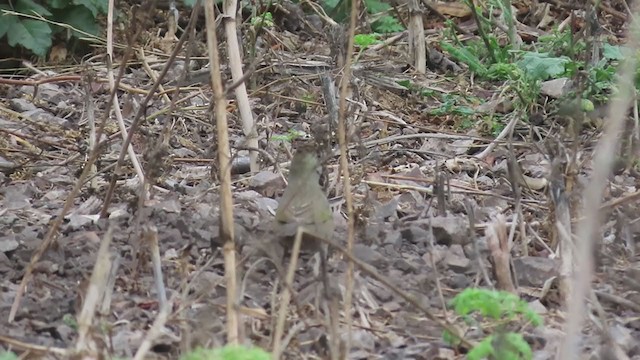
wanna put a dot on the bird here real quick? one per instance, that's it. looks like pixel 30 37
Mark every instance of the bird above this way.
pixel 305 205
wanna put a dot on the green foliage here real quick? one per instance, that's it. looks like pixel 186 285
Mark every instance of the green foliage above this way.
pixel 504 347
pixel 366 40
pixel 289 137
pixel 190 3
pixel 499 307
pixel 70 321
pixel 541 66
pixel 466 56
pixel 36 35
pixel 228 352
pixel 494 304
pixel 387 24
pixel 7 355
pixel 560 43
pixel 265 20
pixel 383 22
pixel 453 104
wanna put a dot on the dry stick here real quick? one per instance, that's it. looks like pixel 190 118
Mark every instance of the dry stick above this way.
pixel 235 63
pixel 417 42
pixel 154 332
pixel 109 285
pixel 143 105
pixel 498 243
pixel 95 294
pixel 602 164
pixel 151 240
pixel 474 240
pixel 369 270
pixel 432 245
pixel 91 121
pixel 93 155
pixel 344 167
pixel 31 348
pixel 286 296
pixel 224 161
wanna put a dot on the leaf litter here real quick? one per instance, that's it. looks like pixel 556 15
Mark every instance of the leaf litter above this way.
pixel 415 179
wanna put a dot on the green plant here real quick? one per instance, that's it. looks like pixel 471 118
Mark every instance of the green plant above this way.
pixel 382 21
pixel 366 40
pixel 70 321
pixel 291 135
pixel 7 355
pixel 229 352
pixel 501 309
pixel 263 21
pixel 33 25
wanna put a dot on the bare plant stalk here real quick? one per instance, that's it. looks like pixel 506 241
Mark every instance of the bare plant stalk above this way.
pixel 94 295
pixel 588 227
pixel 235 62
pixel 151 240
pixel 498 242
pixel 154 332
pixel 346 179
pixel 278 347
pixel 417 42
pixel 224 164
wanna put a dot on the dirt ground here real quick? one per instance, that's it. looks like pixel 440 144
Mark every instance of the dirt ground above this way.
pixel 417 176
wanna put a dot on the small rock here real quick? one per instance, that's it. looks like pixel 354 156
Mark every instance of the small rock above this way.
pixel 393 238
pixel 391 306
pixel 415 235
pixel 21 105
pixel 369 256
pixel 438 252
pixel 382 294
pixel 404 266
pixel 458 281
pixel 456 260
pixel 8 243
pixel 537 306
pixel 555 88
pixel 362 339
pixel 445 354
pixel 623 336
pixel 450 230
pixel 266 183
pixel 534 271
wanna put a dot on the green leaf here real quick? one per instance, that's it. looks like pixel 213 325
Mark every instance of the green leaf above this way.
pixel 34 35
pixel 7 22
pixel 30 7
pixel 540 66
pixel 365 40
pixel 465 56
pixel 612 52
pixel 80 18
pixel 190 3
pixel 228 352
pixel 95 6
pixel 7 355
pixel 265 20
pixel 517 346
pixel 376 6
pixel 387 24
pixel 482 350
pixel 59 4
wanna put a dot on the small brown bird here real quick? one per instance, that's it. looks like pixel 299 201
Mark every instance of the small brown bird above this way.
pixel 304 203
